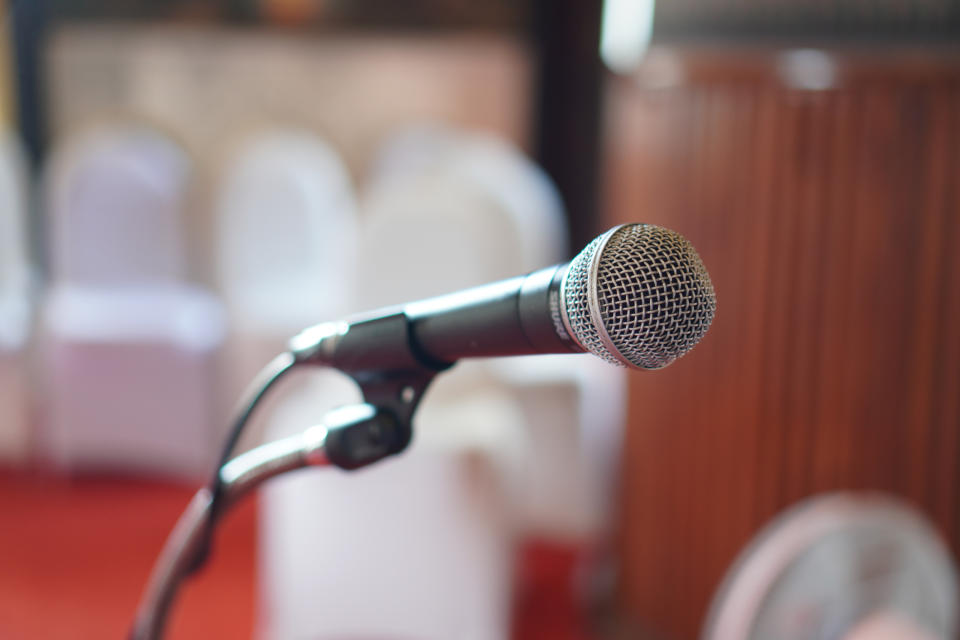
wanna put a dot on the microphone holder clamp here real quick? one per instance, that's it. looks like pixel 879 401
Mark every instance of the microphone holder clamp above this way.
pixel 381 356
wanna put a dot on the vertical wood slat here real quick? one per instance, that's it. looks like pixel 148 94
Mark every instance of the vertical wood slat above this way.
pixel 830 222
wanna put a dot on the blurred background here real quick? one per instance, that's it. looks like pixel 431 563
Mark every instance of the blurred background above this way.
pixel 184 185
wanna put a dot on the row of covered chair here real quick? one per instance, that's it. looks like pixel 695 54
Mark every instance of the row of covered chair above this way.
pixel 136 363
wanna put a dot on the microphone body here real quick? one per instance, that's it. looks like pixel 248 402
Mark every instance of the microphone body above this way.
pixel 637 296
pixel 517 316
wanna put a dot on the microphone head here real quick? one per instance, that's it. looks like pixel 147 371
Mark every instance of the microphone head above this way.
pixel 638 296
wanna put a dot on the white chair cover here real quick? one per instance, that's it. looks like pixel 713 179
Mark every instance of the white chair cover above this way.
pixel 129 345
pixel 14 302
pixel 286 220
pixel 287 233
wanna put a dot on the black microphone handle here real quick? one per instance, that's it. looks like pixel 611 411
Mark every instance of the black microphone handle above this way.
pixel 519 316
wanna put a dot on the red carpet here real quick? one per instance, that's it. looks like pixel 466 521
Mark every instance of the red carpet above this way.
pixel 75 554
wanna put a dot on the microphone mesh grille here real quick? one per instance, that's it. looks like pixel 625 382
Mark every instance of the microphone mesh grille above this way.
pixel 652 291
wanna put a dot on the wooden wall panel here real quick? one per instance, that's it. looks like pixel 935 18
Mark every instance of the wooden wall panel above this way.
pixel 830 223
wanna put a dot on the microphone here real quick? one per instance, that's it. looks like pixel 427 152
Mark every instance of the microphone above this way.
pixel 637 296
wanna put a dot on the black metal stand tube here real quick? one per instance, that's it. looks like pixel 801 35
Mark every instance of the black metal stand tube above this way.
pixel 238 478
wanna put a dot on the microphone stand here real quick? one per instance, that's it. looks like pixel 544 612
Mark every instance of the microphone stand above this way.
pixel 392 377
pixel 361 433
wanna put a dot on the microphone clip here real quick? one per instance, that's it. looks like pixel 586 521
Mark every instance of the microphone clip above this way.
pixel 381 356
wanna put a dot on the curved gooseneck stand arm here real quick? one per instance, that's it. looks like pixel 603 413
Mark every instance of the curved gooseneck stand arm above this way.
pixel 392 377
pixel 350 437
